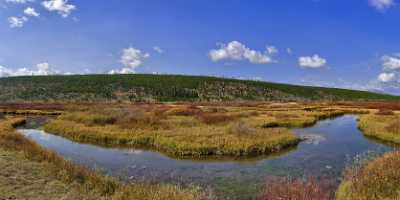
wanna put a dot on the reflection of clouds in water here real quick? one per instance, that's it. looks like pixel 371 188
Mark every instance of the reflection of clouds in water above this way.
pixel 44 136
pixel 314 139
pixel 134 152
pixel 32 134
pixel 345 120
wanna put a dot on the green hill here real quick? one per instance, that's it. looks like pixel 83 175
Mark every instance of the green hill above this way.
pixel 142 87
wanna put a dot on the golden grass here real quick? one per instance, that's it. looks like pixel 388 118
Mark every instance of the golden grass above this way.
pixel 180 141
pixel 90 183
pixel 187 131
pixel 376 180
pixel 382 127
pixel 192 130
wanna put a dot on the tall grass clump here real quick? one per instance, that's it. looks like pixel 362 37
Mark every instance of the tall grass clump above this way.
pixel 375 180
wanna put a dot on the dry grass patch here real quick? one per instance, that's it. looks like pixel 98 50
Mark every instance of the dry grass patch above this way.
pixel 383 127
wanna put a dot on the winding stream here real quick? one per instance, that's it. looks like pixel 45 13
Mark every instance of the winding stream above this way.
pixel 331 144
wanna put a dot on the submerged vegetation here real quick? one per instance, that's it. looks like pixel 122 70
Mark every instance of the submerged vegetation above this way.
pixel 84 183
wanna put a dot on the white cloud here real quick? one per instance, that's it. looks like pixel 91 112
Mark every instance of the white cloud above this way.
pixel 60 6
pixel 131 59
pixel 386 77
pixel 42 69
pixel 122 71
pixel 312 61
pixel 31 12
pixel 158 49
pixel 19 1
pixel 17 22
pixel 381 5
pixel 272 50
pixel 391 62
pixel 238 51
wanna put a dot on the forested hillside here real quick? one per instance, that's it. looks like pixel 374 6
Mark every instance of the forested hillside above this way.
pixel 142 87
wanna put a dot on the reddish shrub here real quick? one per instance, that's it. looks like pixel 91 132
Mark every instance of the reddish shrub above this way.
pixel 215 118
pixel 385 112
pixel 296 189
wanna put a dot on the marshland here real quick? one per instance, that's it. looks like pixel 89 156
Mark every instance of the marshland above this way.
pixel 186 150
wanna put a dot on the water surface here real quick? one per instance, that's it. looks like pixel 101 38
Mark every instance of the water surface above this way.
pixel 331 144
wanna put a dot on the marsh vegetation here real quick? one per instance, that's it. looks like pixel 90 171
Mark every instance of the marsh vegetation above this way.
pixel 83 183
pixel 214 130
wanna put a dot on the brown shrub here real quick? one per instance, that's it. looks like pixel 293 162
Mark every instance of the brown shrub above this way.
pixel 186 111
pixel 384 112
pixel 296 189
pixel 208 118
pixel 137 118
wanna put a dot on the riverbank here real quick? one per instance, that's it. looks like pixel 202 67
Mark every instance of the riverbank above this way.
pixel 31 163
pixel 372 180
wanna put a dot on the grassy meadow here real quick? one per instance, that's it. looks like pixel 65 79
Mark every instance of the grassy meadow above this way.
pixel 190 130
pixel 193 130
pixel 179 131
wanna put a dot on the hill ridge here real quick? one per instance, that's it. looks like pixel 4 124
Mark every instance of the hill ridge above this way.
pixel 148 87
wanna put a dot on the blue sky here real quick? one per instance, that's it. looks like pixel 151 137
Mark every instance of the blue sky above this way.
pixel 341 43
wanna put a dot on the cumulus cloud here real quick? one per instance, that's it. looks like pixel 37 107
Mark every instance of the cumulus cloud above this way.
pixel 158 49
pixel 386 77
pixel 381 5
pixel 17 22
pixel 31 12
pixel 312 61
pixel 42 69
pixel 238 51
pixel 60 6
pixel 131 59
pixel 391 62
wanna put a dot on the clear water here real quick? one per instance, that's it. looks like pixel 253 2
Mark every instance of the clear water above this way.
pixel 332 143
